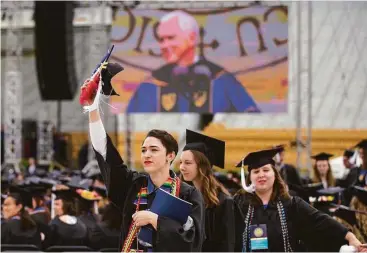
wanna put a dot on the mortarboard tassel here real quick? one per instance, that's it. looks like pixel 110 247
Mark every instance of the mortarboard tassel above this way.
pixel 251 187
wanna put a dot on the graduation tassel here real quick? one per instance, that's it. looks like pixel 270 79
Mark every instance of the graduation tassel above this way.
pixel 251 187
pixel 53 197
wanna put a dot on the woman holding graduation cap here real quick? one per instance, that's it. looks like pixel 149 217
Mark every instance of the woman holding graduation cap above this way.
pixel 268 219
pixel 133 192
pixel 18 227
pixel 198 156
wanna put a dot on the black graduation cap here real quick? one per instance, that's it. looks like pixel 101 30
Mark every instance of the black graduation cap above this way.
pixel 20 193
pixel 100 190
pixel 108 73
pixel 77 182
pixel 212 148
pixel 362 144
pixel 360 193
pixel 331 191
pixel 348 153
pixel 345 213
pixel 65 194
pixel 259 158
pixel 322 156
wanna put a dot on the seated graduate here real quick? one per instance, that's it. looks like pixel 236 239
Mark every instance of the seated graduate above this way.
pixel 18 227
pixel 322 170
pixel 40 212
pixel 133 192
pixel 267 218
pixel 362 169
pixel 351 178
pixel 359 203
pixel 66 228
pixel 106 234
pixel 197 158
pixel 288 172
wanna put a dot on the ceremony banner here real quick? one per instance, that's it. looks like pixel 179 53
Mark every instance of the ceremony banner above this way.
pixel 201 60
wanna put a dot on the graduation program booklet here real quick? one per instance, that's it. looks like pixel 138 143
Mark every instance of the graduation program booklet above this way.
pixel 166 205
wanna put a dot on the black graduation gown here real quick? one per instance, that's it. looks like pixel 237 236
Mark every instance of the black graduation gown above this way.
pixel 102 237
pixel 41 218
pixel 348 184
pixel 362 177
pixel 291 177
pixel 308 228
pixel 90 220
pixel 219 226
pixel 12 233
pixel 63 234
pixel 124 184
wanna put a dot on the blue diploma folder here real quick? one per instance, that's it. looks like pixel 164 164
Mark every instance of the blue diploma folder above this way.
pixel 166 205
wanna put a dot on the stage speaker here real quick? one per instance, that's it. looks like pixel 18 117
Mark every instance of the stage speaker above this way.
pixel 54 43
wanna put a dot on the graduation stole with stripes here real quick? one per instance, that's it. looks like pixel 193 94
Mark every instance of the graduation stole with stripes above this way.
pixel 172 185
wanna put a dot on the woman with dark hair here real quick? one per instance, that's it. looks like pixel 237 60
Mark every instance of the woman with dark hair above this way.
pixel 18 227
pixel 198 156
pixel 322 170
pixel 107 233
pixel 66 229
pixel 133 192
pixel 269 219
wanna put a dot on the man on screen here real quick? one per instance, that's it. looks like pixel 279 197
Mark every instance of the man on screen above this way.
pixel 188 83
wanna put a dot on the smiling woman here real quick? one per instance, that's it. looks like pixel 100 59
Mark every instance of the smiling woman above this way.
pixel 267 218
pixel 133 192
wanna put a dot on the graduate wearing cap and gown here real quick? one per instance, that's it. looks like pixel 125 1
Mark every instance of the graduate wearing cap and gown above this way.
pixel 106 234
pixel 322 172
pixel 66 228
pixel 133 192
pixel 267 218
pixel 359 202
pixel 351 179
pixel 362 169
pixel 199 155
pixel 18 227
pixel 86 201
pixel 288 172
pixel 39 212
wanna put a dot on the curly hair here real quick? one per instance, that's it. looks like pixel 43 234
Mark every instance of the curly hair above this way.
pixel 210 187
pixel 280 190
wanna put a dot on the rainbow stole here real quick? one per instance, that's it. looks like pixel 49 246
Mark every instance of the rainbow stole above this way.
pixel 172 185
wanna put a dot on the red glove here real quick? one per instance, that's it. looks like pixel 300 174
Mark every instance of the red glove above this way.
pixel 89 90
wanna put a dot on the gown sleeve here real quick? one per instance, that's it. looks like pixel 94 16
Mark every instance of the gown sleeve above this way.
pixel 117 177
pixel 318 230
pixel 225 226
pixel 170 234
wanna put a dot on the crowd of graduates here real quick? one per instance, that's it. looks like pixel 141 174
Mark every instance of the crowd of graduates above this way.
pixel 71 207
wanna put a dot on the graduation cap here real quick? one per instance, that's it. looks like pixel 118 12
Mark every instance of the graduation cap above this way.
pixel 212 148
pixel 77 182
pixel 102 191
pixel 21 194
pixel 65 194
pixel 280 147
pixel 108 72
pixel 348 153
pixel 259 158
pixel 362 144
pixel 360 193
pixel 322 156
pixel 346 214
pixel 88 195
pixel 256 160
